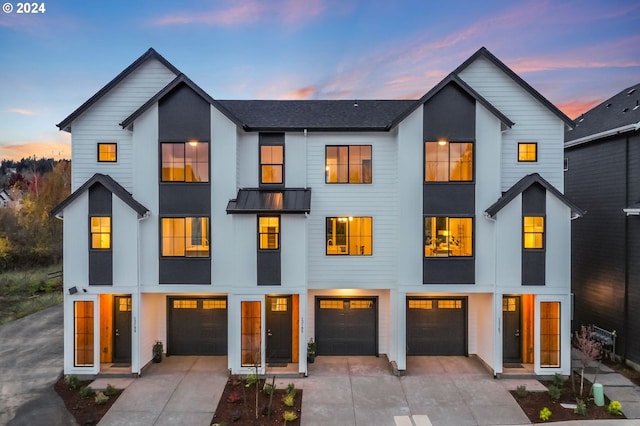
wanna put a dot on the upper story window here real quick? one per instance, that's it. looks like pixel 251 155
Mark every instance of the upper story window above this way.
pixel 100 232
pixel 185 236
pixel 348 164
pixel 271 164
pixel 448 161
pixel 349 236
pixel 185 161
pixel 527 152
pixel 107 152
pixel 533 232
pixel 448 236
pixel 269 232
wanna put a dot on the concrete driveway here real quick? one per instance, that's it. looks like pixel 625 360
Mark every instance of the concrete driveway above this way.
pixel 31 360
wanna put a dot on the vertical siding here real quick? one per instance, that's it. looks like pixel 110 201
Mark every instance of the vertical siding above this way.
pixel 100 123
pixel 633 250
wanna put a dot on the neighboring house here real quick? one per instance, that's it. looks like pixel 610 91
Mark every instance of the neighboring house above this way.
pixel 10 199
pixel 5 198
pixel 603 176
pixel 396 228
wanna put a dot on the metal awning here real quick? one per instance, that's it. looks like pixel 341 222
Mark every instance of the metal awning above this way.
pixel 283 201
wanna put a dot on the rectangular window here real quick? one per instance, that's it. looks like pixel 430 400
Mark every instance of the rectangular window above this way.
pixel 527 151
pixel 83 333
pixel 331 304
pixel 272 164
pixel 269 233
pixel 101 232
pixel 279 304
pixel 185 236
pixel 533 232
pixel 449 304
pixel 448 161
pixel 349 236
pixel 124 304
pixel 420 304
pixel 549 334
pixel 185 162
pixel 214 304
pixel 185 304
pixel 107 152
pixel 348 164
pixel 250 332
pixel 448 236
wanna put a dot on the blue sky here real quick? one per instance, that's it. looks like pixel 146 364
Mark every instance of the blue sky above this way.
pixel 576 53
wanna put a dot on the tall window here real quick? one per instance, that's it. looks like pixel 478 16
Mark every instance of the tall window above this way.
pixel 185 162
pixel 100 232
pixel 549 334
pixel 527 151
pixel 83 334
pixel 348 164
pixel 271 164
pixel 533 232
pixel 349 236
pixel 250 334
pixel 185 236
pixel 448 236
pixel 107 152
pixel 269 232
pixel 448 161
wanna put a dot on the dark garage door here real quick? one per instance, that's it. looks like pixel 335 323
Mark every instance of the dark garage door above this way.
pixel 197 326
pixel 436 326
pixel 346 326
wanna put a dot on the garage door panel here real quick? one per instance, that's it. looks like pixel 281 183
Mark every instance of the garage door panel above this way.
pixel 346 326
pixel 436 327
pixel 197 326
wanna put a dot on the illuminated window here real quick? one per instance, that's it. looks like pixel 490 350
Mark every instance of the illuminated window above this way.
pixel 449 304
pixel 533 232
pixel 83 334
pixel 360 304
pixel 448 236
pixel 185 236
pixel 448 161
pixel 185 304
pixel 527 151
pixel 349 236
pixel 549 334
pixel 214 304
pixel 269 233
pixel 185 162
pixel 107 152
pixel 509 304
pixel 420 304
pixel 101 232
pixel 271 164
pixel 279 304
pixel 250 346
pixel 124 304
pixel 348 164
pixel 331 304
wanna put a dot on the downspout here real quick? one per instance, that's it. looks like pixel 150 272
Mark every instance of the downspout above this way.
pixel 136 318
pixel 625 321
pixel 495 288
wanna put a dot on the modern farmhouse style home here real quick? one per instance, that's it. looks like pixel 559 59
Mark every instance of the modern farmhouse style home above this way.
pixel 245 228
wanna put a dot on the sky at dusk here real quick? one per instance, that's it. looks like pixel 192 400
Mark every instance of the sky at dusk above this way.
pixel 575 53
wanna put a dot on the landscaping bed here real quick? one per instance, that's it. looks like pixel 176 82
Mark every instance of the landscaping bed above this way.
pixel 84 409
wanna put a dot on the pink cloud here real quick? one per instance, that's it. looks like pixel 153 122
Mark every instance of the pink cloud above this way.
pixel 302 93
pixel 20 111
pixel 56 150
pixel 573 109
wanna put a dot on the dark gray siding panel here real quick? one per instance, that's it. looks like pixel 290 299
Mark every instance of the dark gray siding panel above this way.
pixel 534 200
pixel 632 333
pixel 450 115
pixel 187 270
pixel 450 270
pixel 101 267
pixel 449 199
pixel 269 267
pixel 185 199
pixel 533 267
pixel 100 200
pixel 183 115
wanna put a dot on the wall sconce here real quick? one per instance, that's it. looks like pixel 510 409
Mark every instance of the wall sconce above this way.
pixel 73 290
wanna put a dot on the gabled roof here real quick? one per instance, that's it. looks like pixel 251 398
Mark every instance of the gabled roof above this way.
pixel 180 79
pixel 618 114
pixel 151 53
pixel 484 53
pixel 283 201
pixel 109 183
pixel 525 183
pixel 454 79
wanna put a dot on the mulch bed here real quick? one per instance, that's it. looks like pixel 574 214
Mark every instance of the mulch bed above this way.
pixel 233 410
pixel 85 410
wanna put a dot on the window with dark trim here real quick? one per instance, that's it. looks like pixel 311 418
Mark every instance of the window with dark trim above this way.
pixel 447 161
pixel 348 164
pixel 527 152
pixel 83 333
pixel 107 152
pixel 185 161
pixel 533 232
pixel 185 236
pixel 269 232
pixel 448 236
pixel 549 334
pixel 100 230
pixel 271 164
pixel 349 236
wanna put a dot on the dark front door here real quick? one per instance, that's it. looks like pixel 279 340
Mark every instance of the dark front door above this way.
pixel 511 318
pixel 122 329
pixel 279 328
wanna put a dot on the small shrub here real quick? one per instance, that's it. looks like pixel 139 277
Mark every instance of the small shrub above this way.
pixel 558 380
pixel 545 414
pixel 251 380
pixel 554 392
pixel 72 381
pixel 289 416
pixel 288 400
pixel 234 396
pixel 101 398
pixel 581 407
pixel 521 391
pixel 268 388
pixel 110 390
pixel 615 408
pixel 291 389
pixel 86 391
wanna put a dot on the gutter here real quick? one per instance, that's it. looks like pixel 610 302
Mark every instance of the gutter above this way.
pixel 606 133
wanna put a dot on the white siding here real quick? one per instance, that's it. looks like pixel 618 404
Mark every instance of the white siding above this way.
pixel 509 237
pixel 153 320
pixel 558 245
pixel 76 242
pixel 124 230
